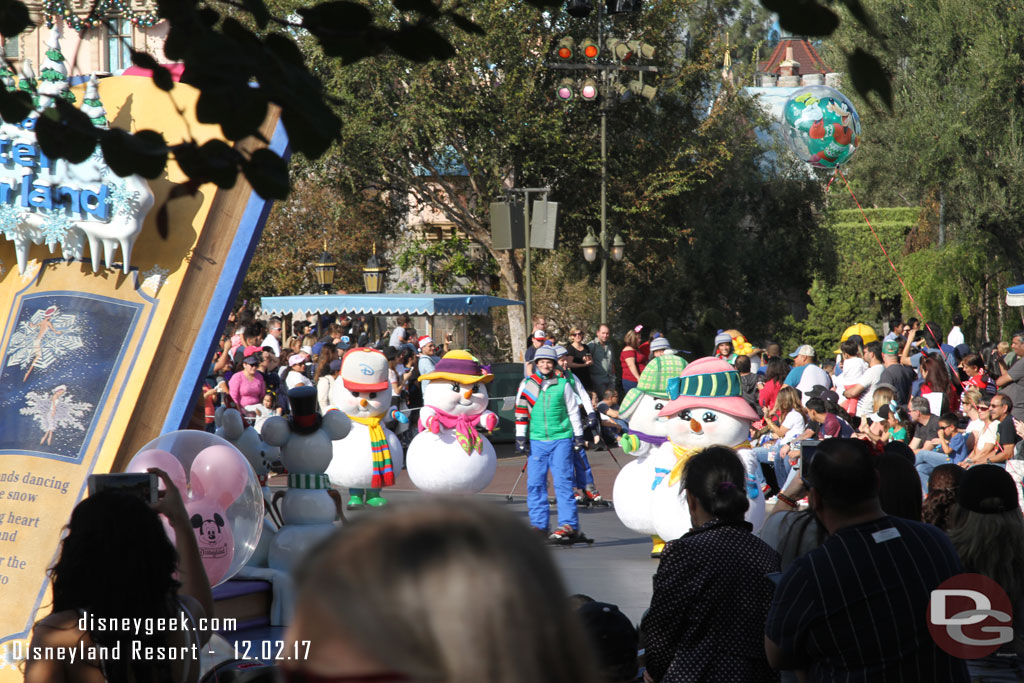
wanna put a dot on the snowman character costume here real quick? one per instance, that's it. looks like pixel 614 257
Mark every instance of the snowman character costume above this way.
pixel 366 460
pixel 707 409
pixel 589 494
pixel 449 455
pixel 647 441
pixel 548 427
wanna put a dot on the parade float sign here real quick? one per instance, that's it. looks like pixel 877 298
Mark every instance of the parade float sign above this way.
pixel 106 327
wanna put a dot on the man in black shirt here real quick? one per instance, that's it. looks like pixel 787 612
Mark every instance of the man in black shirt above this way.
pixel 899 377
pixel 855 608
pixel 926 425
pixel 1006 433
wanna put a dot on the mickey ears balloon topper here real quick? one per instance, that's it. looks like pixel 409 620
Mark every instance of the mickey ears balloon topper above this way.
pixel 222 496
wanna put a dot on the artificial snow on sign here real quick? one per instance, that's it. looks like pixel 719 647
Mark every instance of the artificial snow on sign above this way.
pixel 56 203
pixel 449 455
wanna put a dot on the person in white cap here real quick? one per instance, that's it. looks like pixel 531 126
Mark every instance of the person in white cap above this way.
pixel 548 427
pixel 537 340
pixel 296 376
pixel 426 361
pixel 805 375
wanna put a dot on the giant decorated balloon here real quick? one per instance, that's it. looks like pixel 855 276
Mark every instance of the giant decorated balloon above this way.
pixel 821 126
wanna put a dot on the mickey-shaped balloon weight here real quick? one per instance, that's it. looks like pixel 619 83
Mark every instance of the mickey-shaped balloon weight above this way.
pixel 309 506
pixel 221 493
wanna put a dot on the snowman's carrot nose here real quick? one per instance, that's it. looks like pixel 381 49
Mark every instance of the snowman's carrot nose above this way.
pixel 467 394
pixel 695 426
pixel 363 403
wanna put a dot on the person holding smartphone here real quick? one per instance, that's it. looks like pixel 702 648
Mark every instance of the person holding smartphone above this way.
pixel 100 576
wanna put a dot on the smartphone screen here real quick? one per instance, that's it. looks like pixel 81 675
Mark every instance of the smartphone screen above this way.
pixel 808 448
pixel 142 485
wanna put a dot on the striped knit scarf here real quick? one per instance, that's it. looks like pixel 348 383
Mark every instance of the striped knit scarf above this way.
pixel 383 470
pixel 465 429
pixel 528 395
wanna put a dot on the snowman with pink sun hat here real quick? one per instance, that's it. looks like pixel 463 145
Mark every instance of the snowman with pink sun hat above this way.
pixel 705 409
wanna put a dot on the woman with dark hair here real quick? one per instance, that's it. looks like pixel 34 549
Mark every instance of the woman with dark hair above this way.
pixel 100 576
pixel 942 486
pixel 987 530
pixel 935 373
pixel 711 593
pixel 899 487
pixel 774 376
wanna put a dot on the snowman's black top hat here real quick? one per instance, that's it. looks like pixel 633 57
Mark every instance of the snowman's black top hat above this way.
pixel 304 418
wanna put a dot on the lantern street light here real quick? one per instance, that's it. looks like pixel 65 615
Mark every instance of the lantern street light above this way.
pixel 590 247
pixel 324 270
pixel 373 274
pixel 618 248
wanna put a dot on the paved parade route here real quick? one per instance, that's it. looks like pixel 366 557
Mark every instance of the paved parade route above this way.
pixel 617 568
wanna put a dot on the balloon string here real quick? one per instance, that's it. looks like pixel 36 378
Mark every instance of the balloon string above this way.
pixel 828 188
pixel 913 302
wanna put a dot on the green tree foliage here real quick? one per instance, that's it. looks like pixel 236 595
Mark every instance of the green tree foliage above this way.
pixel 953 143
pixel 297 231
pixel 687 179
pixel 855 283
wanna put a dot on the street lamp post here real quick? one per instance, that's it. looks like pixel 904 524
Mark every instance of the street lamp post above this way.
pixel 621 50
pixel 324 270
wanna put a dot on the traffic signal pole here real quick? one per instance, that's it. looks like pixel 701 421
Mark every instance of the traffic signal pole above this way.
pixel 604 68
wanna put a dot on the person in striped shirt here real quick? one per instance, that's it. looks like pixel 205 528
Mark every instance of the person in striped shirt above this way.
pixel 855 608
pixel 548 427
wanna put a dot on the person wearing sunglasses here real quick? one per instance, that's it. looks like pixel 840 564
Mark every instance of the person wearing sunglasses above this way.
pixel 449 591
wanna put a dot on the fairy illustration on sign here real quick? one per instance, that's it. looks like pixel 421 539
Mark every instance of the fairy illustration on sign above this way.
pixel 45 337
pixel 55 410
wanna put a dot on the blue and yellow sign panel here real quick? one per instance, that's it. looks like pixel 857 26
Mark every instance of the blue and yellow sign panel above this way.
pixel 89 293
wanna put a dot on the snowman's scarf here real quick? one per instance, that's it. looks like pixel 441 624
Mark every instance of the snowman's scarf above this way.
pixel 383 469
pixel 683 456
pixel 465 430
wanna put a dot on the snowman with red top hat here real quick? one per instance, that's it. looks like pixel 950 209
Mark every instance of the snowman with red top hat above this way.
pixel 370 456
pixel 706 409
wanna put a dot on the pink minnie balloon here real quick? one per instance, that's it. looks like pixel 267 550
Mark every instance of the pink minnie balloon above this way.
pixel 219 472
pixel 165 461
pixel 218 476
pixel 214 536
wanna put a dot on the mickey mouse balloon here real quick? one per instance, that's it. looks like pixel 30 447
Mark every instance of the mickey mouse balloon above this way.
pixel 222 495
pixel 821 126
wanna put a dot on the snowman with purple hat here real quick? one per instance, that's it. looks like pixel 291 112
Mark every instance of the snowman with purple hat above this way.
pixel 706 409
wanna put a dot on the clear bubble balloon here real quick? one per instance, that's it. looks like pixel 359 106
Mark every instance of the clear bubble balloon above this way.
pixel 821 126
pixel 223 497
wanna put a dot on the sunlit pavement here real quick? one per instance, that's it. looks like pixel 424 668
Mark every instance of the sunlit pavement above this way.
pixel 616 568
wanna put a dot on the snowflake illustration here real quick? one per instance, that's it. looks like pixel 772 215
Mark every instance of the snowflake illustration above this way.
pixel 55 410
pixel 122 200
pixel 7 660
pixel 31 268
pixel 55 228
pixel 44 338
pixel 154 278
pixel 9 220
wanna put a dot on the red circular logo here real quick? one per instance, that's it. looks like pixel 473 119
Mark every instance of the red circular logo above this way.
pixel 970 616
